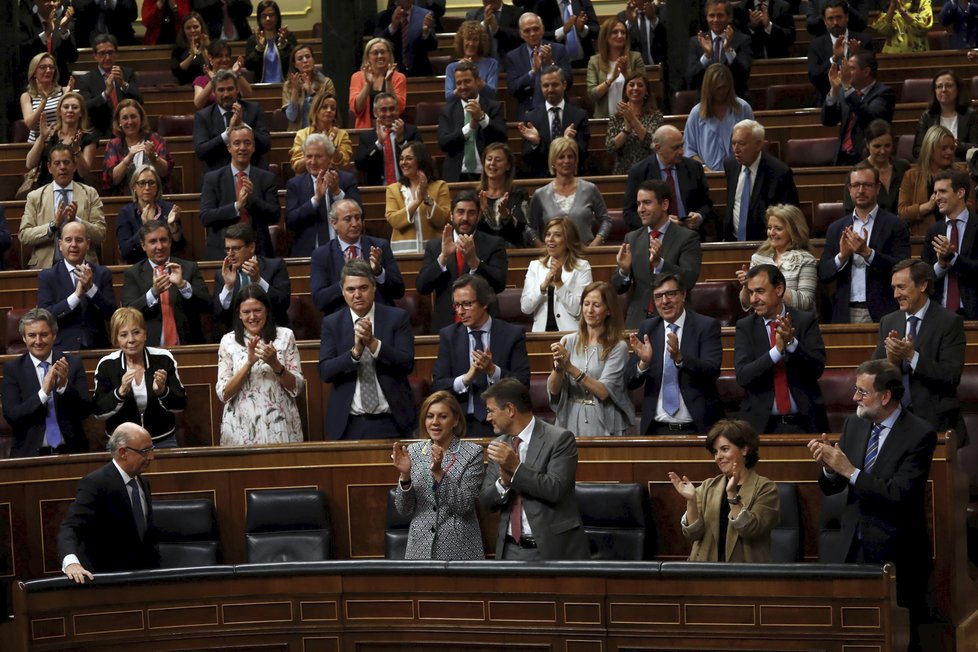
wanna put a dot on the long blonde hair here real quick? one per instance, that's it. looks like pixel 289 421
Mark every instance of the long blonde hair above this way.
pixel 794 223
pixel 932 140
pixel 83 124
pixel 714 75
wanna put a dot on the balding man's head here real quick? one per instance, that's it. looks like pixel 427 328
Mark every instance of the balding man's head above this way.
pixel 132 448
pixel 667 141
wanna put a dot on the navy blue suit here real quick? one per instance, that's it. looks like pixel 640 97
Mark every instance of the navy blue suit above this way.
pixel 551 14
pixel 774 184
pixel 327 264
pixel 370 159
pixel 26 414
pixel 83 327
pixel 535 157
pixel 305 222
pixel 702 353
pixel 890 240
pixel 879 102
pixel 451 120
pixel 127 231
pixel 210 147
pixel 217 210
pixel 523 85
pixel 274 272
pixel 739 67
pixel 418 45
pixel 508 346
pixel 965 265
pixel 392 326
pixel 692 186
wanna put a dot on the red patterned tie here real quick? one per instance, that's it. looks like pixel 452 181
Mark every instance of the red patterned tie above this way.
pixel 847 145
pixel 170 337
pixel 782 398
pixel 352 252
pixel 243 213
pixel 953 296
pixel 390 170
pixel 516 516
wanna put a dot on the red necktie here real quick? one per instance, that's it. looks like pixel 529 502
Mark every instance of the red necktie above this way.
pixel 653 236
pixel 243 213
pixel 170 337
pixel 953 296
pixel 460 263
pixel 672 186
pixel 516 516
pixel 847 145
pixel 390 170
pixel 113 96
pixel 782 398
pixel 352 252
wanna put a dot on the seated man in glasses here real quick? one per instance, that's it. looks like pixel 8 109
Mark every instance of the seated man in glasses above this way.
pixel 109 527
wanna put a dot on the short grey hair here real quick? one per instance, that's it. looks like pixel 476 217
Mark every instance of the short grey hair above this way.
pixel 223 75
pixel 120 437
pixel 343 202
pixel 319 139
pixel 37 314
pixel 756 128
pixel 358 267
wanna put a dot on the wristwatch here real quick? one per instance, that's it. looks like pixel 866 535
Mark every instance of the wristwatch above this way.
pixel 734 501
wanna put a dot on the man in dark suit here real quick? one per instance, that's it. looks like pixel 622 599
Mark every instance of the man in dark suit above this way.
pixel 501 21
pixel 350 243
pixel 477 352
pixel 817 17
pixel 691 194
pixel 677 361
pixel 646 23
pixel 926 342
pixel 212 125
pixel 860 252
pixel 79 294
pixel 835 44
pixel 757 177
pixel 226 19
pixel 107 85
pixel 466 125
pixel 242 267
pixel 239 193
pixel 94 18
pixel 658 246
pixel 951 247
pixel 524 63
pixel 45 395
pixel 411 29
pixel 855 100
pixel 311 195
pixel 46 26
pixel 573 24
pixel 530 483
pixel 109 528
pixel 379 151
pixel 883 459
pixel 770 26
pixel 462 249
pixel 367 352
pixel 170 292
pixel 779 357
pixel 720 44
pixel 557 117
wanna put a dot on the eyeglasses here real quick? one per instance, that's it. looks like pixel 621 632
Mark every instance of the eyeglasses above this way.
pixel 463 305
pixel 146 183
pixel 104 53
pixel 666 294
pixel 862 393
pixel 944 87
pixel 46 66
pixel 862 185
pixel 142 452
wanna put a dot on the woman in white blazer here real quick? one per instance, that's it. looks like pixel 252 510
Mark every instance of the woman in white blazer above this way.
pixel 554 282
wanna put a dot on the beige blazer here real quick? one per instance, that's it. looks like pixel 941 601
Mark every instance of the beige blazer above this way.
pixel 39 212
pixel 749 536
pixel 432 219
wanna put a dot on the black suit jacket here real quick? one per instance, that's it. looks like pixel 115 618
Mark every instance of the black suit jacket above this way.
pixel 778 43
pixel 886 507
pixel 702 354
pixel 127 226
pixel 551 13
pixel 118 22
pixel 820 58
pixel 210 147
pixel 692 186
pixel 370 159
pixel 274 272
pixel 327 264
pixel 525 86
pixel 305 222
pixel 878 102
pixel 137 281
pixel 217 210
pixel 83 327
pixel 535 156
pixel 493 265
pixel 92 86
pixel 507 36
pixel 26 414
pixel 890 240
pixel 815 21
pixel 934 383
pixel 451 120
pixel 213 14
pixel 659 46
pixel 392 327
pixel 755 371
pixel 739 67
pixel 100 528
pixel 508 346
pixel 418 45
pixel 64 48
pixel 774 185
pixel 965 266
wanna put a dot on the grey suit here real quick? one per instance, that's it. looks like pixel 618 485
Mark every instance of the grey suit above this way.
pixel 444 524
pixel 681 255
pixel 934 383
pixel 546 483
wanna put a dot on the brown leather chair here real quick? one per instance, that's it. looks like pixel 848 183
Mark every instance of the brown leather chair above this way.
pixel 825 214
pixel 811 152
pixel 683 102
pixel 426 113
pixel 439 62
pixel 916 90
pixel 419 309
pixel 15 343
pixel 938 39
pixel 175 125
pixel 717 299
pixel 304 318
pixel 155 78
pixel 279 121
pixel 836 386
pixel 19 131
pixel 540 398
pixel 904 147
pixel 618 228
pixel 510 311
pixel 790 96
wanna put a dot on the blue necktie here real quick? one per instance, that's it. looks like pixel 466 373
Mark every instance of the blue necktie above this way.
pixel 573 48
pixel 872 448
pixel 137 508
pixel 912 332
pixel 52 431
pixel 744 205
pixel 670 379
pixel 271 68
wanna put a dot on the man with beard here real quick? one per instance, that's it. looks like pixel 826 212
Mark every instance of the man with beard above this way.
pixel 835 45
